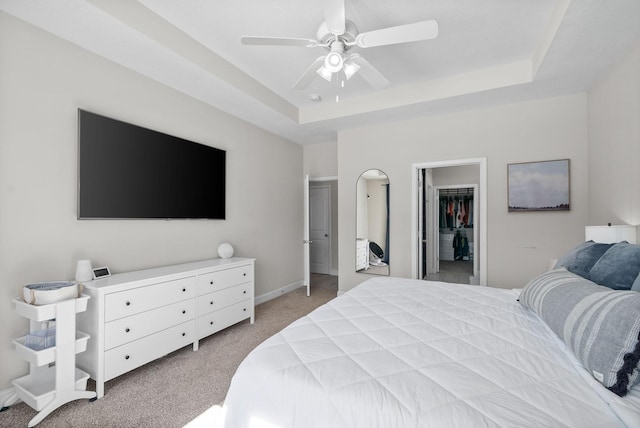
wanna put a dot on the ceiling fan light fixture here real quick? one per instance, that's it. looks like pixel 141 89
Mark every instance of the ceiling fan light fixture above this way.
pixel 324 73
pixel 350 68
pixel 333 62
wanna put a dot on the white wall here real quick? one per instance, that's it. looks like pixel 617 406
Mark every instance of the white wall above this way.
pixel 519 244
pixel 453 175
pixel 321 160
pixel 614 145
pixel 43 81
pixel 377 211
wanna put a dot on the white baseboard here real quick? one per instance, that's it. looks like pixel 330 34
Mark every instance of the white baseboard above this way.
pixel 277 293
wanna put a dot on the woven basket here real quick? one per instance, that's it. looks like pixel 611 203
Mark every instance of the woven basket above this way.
pixel 45 293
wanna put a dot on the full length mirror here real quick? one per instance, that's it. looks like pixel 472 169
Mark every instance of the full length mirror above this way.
pixel 372 223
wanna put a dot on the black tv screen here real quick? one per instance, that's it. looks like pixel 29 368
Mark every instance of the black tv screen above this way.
pixel 130 172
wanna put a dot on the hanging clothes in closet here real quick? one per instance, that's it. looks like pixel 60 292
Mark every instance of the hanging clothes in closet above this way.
pixel 460 246
pixel 455 211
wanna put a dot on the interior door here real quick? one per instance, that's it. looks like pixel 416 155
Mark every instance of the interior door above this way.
pixel 319 226
pixel 305 237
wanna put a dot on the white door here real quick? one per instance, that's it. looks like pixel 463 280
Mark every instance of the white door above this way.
pixel 319 227
pixel 305 237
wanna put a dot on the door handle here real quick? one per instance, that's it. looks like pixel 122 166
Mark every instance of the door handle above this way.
pixel 307 242
pixel 326 235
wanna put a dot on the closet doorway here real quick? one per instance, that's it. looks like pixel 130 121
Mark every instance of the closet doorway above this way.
pixel 430 179
pixel 455 209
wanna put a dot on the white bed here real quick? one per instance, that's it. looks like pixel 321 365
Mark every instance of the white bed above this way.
pixel 405 353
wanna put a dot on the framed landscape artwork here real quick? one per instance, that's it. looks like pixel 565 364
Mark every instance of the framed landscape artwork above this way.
pixel 538 186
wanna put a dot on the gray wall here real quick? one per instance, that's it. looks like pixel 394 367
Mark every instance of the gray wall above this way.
pixel 519 244
pixel 43 81
pixel 614 145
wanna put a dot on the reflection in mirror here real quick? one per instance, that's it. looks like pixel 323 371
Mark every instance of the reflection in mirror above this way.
pixel 372 223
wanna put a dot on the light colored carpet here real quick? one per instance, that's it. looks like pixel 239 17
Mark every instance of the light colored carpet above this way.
pixel 172 391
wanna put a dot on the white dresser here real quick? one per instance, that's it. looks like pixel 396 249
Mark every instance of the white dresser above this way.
pixel 446 247
pixel 136 317
pixel 362 254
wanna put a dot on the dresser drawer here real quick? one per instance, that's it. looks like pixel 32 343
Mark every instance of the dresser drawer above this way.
pixel 131 302
pixel 132 355
pixel 131 328
pixel 223 298
pixel 219 280
pixel 216 321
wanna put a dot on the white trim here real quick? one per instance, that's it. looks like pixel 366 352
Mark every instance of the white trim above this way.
pixel 278 292
pixel 323 178
pixel 482 250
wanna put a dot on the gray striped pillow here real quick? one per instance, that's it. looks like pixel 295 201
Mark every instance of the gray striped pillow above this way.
pixel 600 325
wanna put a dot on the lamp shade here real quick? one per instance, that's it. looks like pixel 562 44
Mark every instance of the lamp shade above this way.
pixel 611 234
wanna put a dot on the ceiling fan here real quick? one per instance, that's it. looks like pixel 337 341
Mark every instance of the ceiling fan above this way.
pixel 338 35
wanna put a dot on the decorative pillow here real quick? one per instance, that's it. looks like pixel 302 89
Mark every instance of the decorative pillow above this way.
pixel 600 325
pixel 581 259
pixel 618 268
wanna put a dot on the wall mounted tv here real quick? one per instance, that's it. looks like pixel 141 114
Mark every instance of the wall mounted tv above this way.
pixel 130 172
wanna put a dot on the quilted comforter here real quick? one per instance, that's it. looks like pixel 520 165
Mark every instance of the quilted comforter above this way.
pixel 405 353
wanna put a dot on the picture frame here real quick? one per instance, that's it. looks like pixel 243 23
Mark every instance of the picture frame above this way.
pixel 101 272
pixel 539 186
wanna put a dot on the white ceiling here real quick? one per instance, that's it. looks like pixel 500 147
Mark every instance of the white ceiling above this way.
pixel 488 52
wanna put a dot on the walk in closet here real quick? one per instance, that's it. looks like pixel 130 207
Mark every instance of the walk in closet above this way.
pixel 455 237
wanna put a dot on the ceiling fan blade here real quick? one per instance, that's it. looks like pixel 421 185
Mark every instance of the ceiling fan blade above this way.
pixel 423 30
pixel 369 73
pixel 334 16
pixel 305 80
pixel 278 41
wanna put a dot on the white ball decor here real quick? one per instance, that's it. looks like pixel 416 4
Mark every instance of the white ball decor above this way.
pixel 225 250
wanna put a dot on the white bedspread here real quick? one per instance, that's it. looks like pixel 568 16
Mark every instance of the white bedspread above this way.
pixel 405 353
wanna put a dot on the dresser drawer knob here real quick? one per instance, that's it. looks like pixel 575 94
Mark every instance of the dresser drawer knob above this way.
pixel 184 334
pixel 127 330
pixel 211 322
pixel 184 289
pixel 244 292
pixel 126 357
pixel 184 312
pixel 244 274
pixel 128 303
pixel 211 282
pixel 244 309
pixel 211 302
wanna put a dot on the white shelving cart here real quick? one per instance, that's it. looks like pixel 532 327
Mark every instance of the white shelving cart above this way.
pixel 53 378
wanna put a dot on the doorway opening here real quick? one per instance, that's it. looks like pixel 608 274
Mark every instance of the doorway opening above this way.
pixel 449 216
pixel 323 225
pixel 454 210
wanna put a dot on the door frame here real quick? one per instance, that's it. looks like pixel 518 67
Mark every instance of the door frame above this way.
pixel 480 250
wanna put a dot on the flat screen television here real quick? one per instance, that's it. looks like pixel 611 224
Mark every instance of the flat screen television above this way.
pixel 130 172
